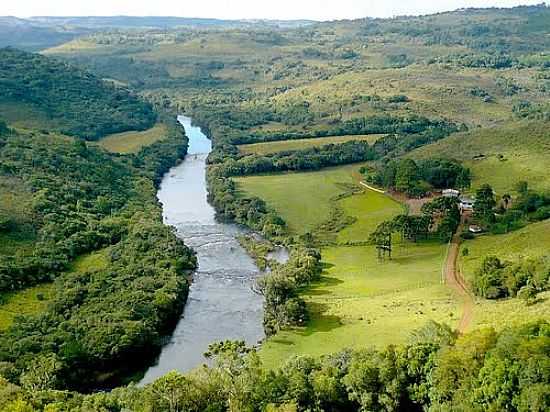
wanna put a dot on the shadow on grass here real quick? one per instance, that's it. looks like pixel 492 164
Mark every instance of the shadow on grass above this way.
pixel 319 321
pixel 317 288
pixel 286 342
pixel 326 265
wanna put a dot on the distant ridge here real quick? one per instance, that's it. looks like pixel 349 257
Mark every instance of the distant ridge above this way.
pixel 159 22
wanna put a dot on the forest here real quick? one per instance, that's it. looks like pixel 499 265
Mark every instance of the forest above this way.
pixel 77 103
pixel 436 370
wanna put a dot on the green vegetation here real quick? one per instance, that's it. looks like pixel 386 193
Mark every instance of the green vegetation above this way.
pixel 449 96
pixel 496 279
pixel 435 370
pixel 301 199
pixel 357 297
pixel 30 301
pixel 417 178
pixel 90 278
pixel 76 102
pixel 132 142
pixel 300 144
pixel 100 200
pixel 501 156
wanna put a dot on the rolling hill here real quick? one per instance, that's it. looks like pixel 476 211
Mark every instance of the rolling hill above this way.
pixel 42 92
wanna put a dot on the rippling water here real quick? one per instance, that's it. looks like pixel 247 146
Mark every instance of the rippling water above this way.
pixel 221 304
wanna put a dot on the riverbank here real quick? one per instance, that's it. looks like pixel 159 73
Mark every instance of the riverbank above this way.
pixel 222 303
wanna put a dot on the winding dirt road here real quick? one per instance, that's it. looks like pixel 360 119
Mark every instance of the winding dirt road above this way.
pixel 455 281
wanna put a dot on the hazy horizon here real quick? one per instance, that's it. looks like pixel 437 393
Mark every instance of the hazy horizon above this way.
pixel 320 10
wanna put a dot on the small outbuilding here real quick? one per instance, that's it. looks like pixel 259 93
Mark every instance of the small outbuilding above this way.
pixel 450 193
pixel 466 204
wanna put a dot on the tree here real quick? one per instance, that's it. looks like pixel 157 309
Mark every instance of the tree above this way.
pixel 41 373
pixel 407 175
pixel 464 179
pixel 484 204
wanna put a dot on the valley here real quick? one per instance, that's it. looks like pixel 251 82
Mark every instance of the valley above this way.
pixel 400 165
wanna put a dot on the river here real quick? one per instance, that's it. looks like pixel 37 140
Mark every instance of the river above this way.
pixel 221 303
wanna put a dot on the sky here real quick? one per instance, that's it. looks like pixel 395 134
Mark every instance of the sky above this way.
pixel 244 9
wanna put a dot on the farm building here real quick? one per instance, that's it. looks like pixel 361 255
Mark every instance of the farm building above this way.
pixel 466 204
pixel 450 193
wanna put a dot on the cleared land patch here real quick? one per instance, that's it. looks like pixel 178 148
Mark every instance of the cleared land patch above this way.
pixel 132 142
pixel 303 200
pixel 500 156
pixel 35 299
pixel 530 241
pixel 359 301
pixel 298 144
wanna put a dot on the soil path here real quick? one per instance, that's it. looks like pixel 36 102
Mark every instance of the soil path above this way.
pixel 455 281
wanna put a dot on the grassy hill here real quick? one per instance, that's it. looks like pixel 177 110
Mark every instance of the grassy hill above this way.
pixel 500 156
pixel 38 90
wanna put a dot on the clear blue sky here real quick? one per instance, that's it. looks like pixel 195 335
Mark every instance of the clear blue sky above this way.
pixel 241 9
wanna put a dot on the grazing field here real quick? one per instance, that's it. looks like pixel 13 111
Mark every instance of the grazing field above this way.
pixel 359 300
pixel 500 156
pixel 530 241
pixel 369 208
pixel 35 299
pixel 303 200
pixel 362 302
pixel 299 144
pixel 132 142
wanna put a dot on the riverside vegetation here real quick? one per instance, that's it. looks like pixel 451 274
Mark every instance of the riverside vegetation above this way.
pixel 448 103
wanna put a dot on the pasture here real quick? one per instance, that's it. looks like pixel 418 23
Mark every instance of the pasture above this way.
pixel 500 156
pixel 359 300
pixel 530 241
pixel 133 141
pixel 303 200
pixel 363 302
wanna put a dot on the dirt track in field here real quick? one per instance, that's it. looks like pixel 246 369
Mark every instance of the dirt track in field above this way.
pixel 455 281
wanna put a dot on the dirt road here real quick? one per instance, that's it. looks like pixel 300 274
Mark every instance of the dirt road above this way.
pixel 455 281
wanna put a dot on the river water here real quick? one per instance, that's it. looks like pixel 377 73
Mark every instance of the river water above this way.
pixel 221 303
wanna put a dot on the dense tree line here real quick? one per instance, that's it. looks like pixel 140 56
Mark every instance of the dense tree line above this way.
pixel 382 124
pixel 496 279
pixel 283 306
pixel 307 159
pixel 510 213
pixel 79 103
pixel 416 178
pixel 440 217
pixel 437 370
pixel 101 321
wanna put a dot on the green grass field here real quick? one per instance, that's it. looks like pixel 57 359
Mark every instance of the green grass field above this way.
pixel 35 299
pixel 303 200
pixel 132 142
pixel 530 241
pixel 25 302
pixel 362 302
pixel 524 148
pixel 359 301
pixel 299 144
